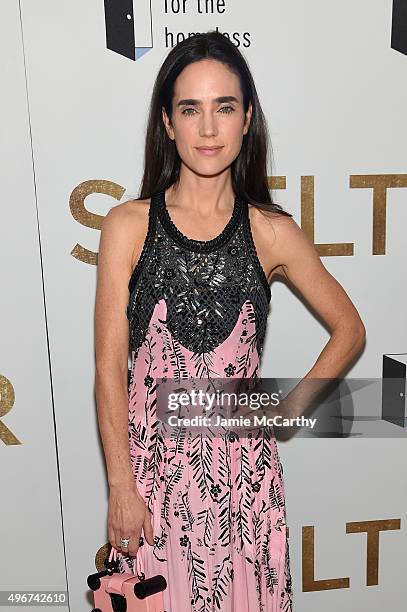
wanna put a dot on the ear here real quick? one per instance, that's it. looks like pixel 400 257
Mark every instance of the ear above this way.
pixel 248 118
pixel 167 124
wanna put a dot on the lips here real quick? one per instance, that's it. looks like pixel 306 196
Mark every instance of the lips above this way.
pixel 208 148
pixel 209 151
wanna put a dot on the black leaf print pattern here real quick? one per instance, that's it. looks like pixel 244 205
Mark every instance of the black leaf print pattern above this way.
pixel 185 511
pixel 197 574
pixel 276 495
pixel 270 571
pixel 177 440
pixel 217 501
pixel 221 579
pixel 201 462
pixel 206 518
pixel 244 507
pixel 174 478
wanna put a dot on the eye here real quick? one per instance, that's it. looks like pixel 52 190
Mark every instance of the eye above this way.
pixel 229 109
pixel 226 110
pixel 185 111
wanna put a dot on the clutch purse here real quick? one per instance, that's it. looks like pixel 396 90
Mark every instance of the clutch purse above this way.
pixel 126 592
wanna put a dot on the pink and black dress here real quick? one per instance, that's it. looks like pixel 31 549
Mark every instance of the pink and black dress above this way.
pixel 199 309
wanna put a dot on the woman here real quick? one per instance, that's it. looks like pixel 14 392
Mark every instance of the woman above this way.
pixel 183 279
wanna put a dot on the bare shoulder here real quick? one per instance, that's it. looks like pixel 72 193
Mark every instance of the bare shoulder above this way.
pixel 280 241
pixel 267 223
pixel 128 215
pixel 125 227
pixel 277 230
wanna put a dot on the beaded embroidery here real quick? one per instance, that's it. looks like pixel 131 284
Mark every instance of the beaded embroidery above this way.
pixel 204 283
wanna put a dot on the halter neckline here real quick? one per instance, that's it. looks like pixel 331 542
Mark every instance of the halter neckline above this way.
pixel 199 245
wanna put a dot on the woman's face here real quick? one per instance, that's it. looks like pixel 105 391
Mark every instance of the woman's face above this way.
pixel 207 112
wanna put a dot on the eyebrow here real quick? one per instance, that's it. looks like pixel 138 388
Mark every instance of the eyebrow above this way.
pixel 219 100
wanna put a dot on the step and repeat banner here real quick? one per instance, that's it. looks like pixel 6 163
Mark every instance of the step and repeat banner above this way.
pixel 76 83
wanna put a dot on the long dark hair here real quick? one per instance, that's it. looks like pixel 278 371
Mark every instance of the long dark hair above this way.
pixel 161 160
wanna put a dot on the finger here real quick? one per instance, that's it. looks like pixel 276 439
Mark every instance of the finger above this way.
pixel 134 541
pixel 119 534
pixel 112 539
pixel 127 536
pixel 148 528
pixel 117 537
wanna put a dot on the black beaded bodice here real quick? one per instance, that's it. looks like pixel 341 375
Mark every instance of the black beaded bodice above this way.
pixel 204 283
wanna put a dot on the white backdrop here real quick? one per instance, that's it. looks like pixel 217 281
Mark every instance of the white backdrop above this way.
pixel 73 118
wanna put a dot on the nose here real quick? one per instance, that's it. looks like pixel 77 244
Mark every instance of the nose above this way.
pixel 207 125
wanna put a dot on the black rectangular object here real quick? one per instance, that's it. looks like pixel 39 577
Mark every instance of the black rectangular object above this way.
pixel 399 26
pixel 119 18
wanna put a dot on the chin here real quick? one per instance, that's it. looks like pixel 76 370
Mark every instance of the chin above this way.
pixel 207 167
pixel 212 166
pixel 214 171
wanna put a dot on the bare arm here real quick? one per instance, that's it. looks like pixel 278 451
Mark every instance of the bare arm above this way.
pixel 112 337
pixel 297 259
pixel 300 263
pixel 123 233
